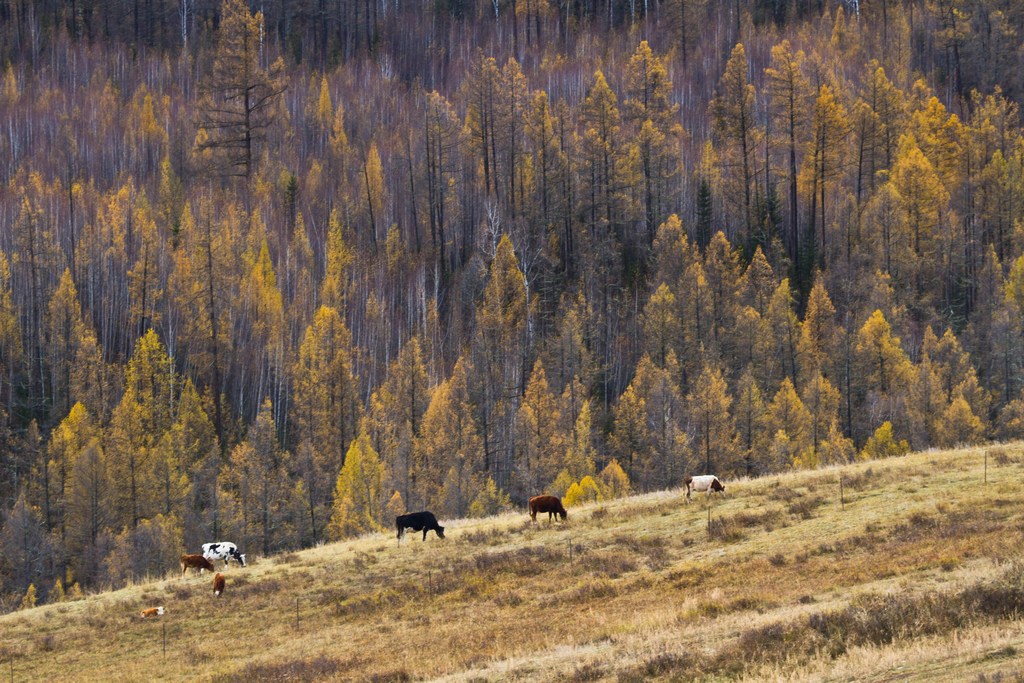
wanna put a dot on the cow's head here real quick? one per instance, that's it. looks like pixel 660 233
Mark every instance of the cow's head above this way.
pixel 440 531
pixel 241 558
pixel 716 485
pixel 563 513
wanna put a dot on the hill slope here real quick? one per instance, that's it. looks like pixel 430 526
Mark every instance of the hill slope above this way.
pixel 917 577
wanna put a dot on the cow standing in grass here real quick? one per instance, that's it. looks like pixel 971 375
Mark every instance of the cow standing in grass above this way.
pixel 549 504
pixel 223 551
pixel 704 482
pixel 195 562
pixel 418 521
pixel 218 584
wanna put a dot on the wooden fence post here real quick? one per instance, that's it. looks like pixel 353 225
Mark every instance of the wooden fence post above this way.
pixel 986 465
pixel 163 629
pixel 842 496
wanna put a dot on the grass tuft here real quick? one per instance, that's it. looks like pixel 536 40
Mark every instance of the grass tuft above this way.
pixel 295 670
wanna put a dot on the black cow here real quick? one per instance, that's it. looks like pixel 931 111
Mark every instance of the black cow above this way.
pixel 418 521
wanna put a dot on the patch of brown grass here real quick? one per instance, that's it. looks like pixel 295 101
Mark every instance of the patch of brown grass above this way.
pixel 295 670
pixel 876 620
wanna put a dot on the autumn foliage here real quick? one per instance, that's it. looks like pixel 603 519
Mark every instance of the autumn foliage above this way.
pixel 276 276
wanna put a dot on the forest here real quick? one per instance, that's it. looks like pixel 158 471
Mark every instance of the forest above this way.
pixel 275 273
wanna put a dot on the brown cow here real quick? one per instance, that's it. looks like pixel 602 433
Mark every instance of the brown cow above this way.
pixel 152 612
pixel 549 504
pixel 218 584
pixel 195 562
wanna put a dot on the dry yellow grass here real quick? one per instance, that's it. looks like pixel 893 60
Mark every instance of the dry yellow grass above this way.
pixel 646 594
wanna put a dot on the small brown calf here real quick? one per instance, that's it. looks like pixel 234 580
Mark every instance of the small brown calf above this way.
pixel 195 562
pixel 152 612
pixel 218 584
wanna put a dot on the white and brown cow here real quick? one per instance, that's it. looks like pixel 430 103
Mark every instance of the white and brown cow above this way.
pixel 152 612
pixel 701 483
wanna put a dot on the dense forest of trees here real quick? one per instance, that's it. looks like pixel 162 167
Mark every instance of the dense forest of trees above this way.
pixel 274 277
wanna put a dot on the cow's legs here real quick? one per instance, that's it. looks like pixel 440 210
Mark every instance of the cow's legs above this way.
pixel 425 535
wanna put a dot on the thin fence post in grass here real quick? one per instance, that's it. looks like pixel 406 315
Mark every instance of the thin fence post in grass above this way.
pixel 986 465
pixel 709 520
pixel 570 554
pixel 430 581
pixel 163 628
pixel 842 497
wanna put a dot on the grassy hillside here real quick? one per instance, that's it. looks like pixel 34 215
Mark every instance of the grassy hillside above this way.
pixel 919 577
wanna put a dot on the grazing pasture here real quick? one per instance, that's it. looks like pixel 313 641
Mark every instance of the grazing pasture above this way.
pixel 918 574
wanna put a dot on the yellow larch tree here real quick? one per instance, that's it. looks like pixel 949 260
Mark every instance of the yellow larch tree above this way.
pixel 395 417
pixel 734 124
pixel 821 399
pixel 663 463
pixel 374 199
pixel 64 328
pixel 750 414
pixel 502 326
pixel 540 443
pixel 580 452
pixel 787 414
pixel 136 425
pixel 788 94
pixel 817 346
pixel 709 407
pixel 648 105
pixel 257 478
pixel 358 503
pixel 660 323
pixel 631 435
pixel 449 451
pixel 144 290
pixel 325 404
pixel 67 441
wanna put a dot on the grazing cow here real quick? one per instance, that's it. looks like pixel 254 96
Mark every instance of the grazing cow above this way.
pixel 704 482
pixel 218 584
pixel 222 551
pixel 152 612
pixel 549 504
pixel 195 562
pixel 418 521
